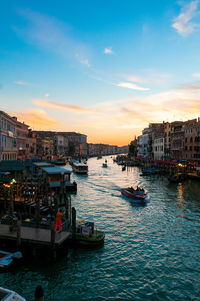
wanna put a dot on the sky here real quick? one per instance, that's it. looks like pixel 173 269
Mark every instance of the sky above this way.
pixel 102 68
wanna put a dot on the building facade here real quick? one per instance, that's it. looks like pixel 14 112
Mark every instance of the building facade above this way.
pixel 192 140
pixel 8 145
pixel 158 148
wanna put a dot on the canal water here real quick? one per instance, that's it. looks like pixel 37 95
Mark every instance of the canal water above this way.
pixel 150 253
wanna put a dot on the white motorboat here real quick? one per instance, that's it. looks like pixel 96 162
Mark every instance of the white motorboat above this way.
pixel 8 295
pixel 79 167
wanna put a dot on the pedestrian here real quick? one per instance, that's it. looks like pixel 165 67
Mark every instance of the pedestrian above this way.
pixel 58 222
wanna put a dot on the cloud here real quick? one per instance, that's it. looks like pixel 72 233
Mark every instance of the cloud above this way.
pixel 54 105
pixel 108 50
pixel 190 86
pixel 183 23
pixel 48 33
pixel 131 86
pixel 22 83
pixel 47 95
pixel 85 62
pixel 136 79
pixel 196 74
pixel 37 118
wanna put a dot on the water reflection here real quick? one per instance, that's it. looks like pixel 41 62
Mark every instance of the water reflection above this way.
pixel 149 252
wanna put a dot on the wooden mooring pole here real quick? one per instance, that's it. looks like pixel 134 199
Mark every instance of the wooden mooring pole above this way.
pixel 19 223
pixel 73 223
pixel 53 236
pixel 39 293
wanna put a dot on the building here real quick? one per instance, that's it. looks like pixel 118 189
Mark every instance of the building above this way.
pixel 22 137
pixel 167 135
pixel 158 146
pixel 192 140
pixel 61 145
pixel 143 143
pixel 8 145
pixel 177 140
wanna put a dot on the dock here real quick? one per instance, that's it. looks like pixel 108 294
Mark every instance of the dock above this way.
pixel 33 235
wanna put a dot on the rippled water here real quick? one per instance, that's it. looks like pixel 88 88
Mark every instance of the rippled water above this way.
pixel 150 253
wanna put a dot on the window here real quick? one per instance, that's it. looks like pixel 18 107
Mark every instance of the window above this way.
pixel 191 140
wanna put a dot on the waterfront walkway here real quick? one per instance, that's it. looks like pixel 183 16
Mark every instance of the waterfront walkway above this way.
pixel 33 235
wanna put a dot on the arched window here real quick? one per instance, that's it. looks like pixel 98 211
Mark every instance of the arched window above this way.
pixel 191 140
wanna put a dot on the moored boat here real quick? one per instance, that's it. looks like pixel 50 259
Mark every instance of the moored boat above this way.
pixel 7 259
pixel 87 236
pixel 138 196
pixel 8 295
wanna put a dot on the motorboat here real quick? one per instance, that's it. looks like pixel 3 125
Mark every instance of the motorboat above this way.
pixel 8 295
pixel 87 236
pixel 149 171
pixel 80 167
pixel 137 196
pixel 7 259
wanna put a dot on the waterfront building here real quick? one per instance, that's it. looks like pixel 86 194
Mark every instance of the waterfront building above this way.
pixel 44 144
pixel 22 137
pixel 158 146
pixel 61 145
pixel 32 142
pixel 104 149
pixel 177 140
pixel 167 135
pixel 192 140
pixel 143 141
pixel 8 146
pixel 77 143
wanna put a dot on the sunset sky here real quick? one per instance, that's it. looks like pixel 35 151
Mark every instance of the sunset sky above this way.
pixel 102 68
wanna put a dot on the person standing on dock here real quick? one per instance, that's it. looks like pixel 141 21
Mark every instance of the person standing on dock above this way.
pixel 58 222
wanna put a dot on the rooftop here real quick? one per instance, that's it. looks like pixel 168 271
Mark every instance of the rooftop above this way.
pixel 56 170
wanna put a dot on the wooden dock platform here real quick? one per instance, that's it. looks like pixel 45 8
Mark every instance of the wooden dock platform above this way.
pixel 33 235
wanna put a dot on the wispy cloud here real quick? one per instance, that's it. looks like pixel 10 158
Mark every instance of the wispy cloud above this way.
pixel 48 33
pixel 131 86
pixel 108 50
pixel 183 23
pixel 22 83
pixel 196 74
pixel 37 119
pixel 54 105
pixel 136 79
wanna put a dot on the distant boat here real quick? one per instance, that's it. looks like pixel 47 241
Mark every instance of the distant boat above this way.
pixel 149 171
pixel 104 165
pixel 123 168
pixel 176 178
pixel 80 168
pixel 99 157
pixel 8 295
pixel 7 259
